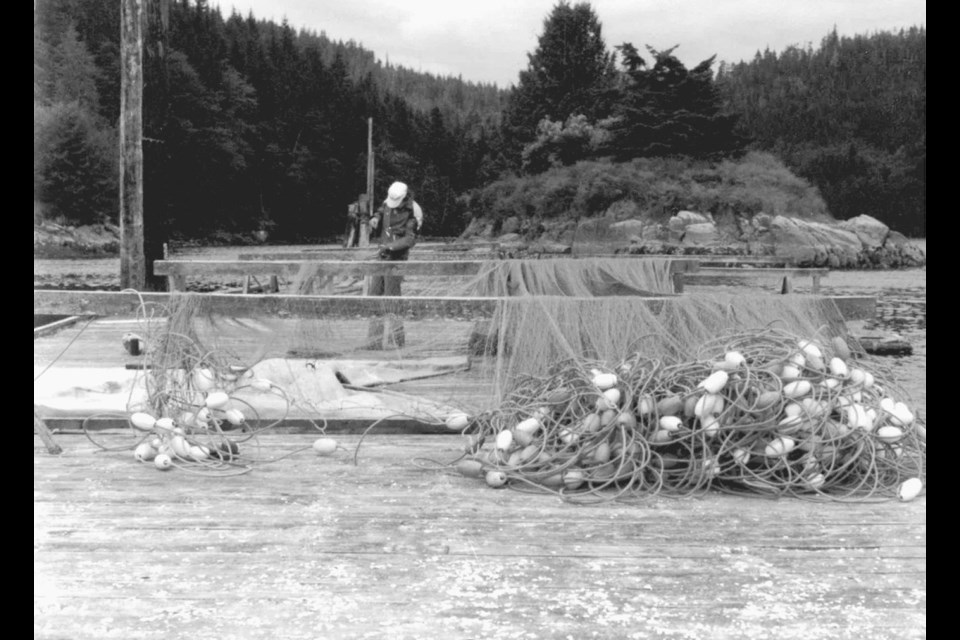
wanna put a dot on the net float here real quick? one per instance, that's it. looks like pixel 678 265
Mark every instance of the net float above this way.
pixel 235 417
pixel 504 440
pixel 909 489
pixel 607 417
pixel 144 452
pixel 841 347
pixel 164 424
pixel 162 461
pixel 710 425
pixel 858 376
pixel 645 405
pixel 889 434
pixel 216 399
pixel 553 480
pixel 670 405
pixel 901 414
pixel 559 396
pixel 792 410
pixel 798 360
pixel 180 446
pixel 602 453
pixel 714 382
pixel 740 455
pixel 816 481
pixel 199 452
pixel 708 404
pixel 529 453
pixel 530 425
pixel 838 367
pixel 604 381
pixel 572 478
pixel 797 388
pixel 612 397
pixel 810 349
pixel 324 446
pixel 779 446
pixel 627 419
pixel 590 423
pixel 814 407
pixel 660 436
pixel 670 423
pixel 261 384
pixel 790 372
pixel 143 420
pixel 768 399
pixel 457 421
pixel 522 438
pixel 495 478
pixel 569 437
pixel 734 358
pixel 470 468
pixel 204 379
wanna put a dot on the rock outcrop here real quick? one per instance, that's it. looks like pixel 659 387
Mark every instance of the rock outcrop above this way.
pixel 858 243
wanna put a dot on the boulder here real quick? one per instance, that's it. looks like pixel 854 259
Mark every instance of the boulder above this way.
pixel 814 244
pixel 871 232
pixel 701 233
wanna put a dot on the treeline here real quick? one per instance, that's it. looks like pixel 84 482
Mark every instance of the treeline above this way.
pixel 247 124
pixel 849 116
pixel 252 125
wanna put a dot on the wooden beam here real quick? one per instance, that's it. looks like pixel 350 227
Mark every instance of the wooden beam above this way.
pixel 120 303
pixel 132 264
pixel 41 429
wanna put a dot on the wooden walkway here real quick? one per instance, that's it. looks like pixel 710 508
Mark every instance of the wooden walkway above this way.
pixel 312 547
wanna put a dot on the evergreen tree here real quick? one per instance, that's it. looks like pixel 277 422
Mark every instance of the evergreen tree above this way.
pixel 667 110
pixel 570 73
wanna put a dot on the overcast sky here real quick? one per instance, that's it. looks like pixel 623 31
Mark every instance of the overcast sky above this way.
pixel 487 41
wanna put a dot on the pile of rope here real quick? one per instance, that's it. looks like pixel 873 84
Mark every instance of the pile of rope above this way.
pixel 764 412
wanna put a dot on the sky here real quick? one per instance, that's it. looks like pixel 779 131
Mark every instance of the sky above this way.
pixel 488 41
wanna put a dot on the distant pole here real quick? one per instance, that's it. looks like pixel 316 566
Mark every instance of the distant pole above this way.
pixel 364 227
pixel 132 268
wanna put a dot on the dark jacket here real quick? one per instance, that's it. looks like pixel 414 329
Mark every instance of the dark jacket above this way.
pixel 398 230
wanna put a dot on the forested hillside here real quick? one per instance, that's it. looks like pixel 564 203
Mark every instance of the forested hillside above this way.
pixel 249 124
pixel 850 116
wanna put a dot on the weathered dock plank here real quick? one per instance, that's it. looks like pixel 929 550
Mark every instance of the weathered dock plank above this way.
pixel 313 547
pixel 113 303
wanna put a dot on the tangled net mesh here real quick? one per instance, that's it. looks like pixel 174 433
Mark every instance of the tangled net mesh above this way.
pixel 555 325
pixel 763 412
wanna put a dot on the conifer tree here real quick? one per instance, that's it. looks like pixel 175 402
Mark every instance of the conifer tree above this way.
pixel 570 73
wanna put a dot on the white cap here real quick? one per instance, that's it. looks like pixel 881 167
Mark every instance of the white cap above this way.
pixel 396 194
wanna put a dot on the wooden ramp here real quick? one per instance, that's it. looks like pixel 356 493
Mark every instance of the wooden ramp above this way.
pixel 313 547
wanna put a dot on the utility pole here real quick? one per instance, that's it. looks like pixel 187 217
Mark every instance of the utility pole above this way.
pixel 132 267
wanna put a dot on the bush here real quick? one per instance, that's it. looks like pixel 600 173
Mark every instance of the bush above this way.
pixel 659 187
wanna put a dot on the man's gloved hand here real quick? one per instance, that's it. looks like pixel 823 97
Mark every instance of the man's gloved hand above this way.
pixel 384 253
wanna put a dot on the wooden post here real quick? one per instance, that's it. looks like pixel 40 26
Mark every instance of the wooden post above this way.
pixel 132 268
pixel 364 240
pixel 41 429
pixel 156 100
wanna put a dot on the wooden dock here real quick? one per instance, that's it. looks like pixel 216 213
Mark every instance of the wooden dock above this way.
pixel 383 540
pixel 394 547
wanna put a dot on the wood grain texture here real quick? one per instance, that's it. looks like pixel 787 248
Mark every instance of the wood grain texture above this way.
pixel 394 547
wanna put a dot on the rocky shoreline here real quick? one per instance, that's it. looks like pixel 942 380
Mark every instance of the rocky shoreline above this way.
pixel 859 243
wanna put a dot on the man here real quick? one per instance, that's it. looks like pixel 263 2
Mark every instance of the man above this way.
pixel 399 219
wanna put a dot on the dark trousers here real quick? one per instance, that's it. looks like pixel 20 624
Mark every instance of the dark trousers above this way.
pixel 385 286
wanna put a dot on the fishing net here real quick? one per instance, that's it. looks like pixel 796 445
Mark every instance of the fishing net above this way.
pixel 551 328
